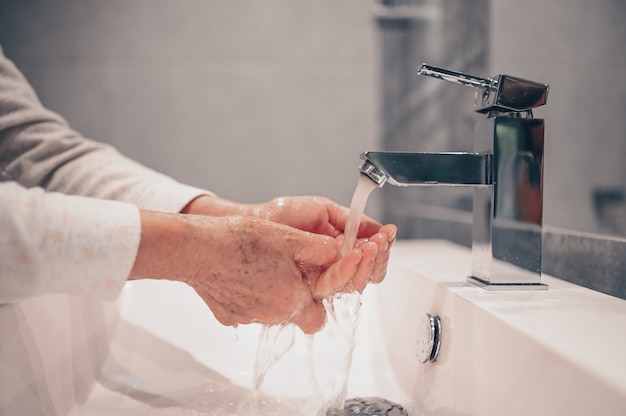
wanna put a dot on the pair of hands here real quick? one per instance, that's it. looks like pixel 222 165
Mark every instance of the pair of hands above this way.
pixel 271 263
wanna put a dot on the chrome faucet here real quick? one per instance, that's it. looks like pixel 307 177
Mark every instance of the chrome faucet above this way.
pixel 505 170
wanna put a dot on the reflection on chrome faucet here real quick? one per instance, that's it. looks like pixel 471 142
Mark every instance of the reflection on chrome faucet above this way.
pixel 505 170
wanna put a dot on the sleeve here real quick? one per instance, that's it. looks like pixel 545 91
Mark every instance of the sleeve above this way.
pixel 56 243
pixel 38 148
pixel 69 206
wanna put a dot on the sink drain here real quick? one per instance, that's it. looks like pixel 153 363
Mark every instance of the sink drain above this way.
pixel 368 406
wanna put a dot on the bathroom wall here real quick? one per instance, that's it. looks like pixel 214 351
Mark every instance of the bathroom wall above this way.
pixel 578 48
pixel 249 99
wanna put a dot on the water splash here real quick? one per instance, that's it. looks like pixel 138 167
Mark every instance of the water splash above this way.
pixel 344 309
pixel 345 312
pixel 274 342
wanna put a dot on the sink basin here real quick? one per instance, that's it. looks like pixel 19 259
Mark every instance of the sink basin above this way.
pixel 158 350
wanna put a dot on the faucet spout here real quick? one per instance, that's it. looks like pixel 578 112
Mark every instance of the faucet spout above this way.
pixel 373 172
pixel 414 169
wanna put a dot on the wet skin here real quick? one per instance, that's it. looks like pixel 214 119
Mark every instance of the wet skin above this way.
pixel 270 263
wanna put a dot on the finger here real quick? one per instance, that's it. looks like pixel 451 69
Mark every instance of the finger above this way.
pixel 312 317
pixel 366 267
pixel 385 238
pixel 381 240
pixel 380 267
pixel 337 215
pixel 389 229
pixel 388 235
pixel 337 276
pixel 317 250
pixel 392 231
pixel 368 227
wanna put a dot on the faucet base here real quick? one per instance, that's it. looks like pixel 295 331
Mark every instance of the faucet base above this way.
pixel 505 286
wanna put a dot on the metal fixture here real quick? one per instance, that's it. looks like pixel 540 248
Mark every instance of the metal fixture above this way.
pixel 428 338
pixel 505 170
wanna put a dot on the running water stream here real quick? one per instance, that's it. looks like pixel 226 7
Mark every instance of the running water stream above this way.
pixel 344 309
pixel 364 188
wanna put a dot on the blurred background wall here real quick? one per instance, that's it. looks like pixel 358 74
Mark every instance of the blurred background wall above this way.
pixel 255 99
pixel 250 99
pixel 579 48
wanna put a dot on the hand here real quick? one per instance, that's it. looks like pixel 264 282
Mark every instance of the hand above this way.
pixel 323 216
pixel 250 270
pixel 309 213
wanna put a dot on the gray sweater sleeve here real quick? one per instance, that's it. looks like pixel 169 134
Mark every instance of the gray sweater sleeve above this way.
pixel 38 148
pixel 69 206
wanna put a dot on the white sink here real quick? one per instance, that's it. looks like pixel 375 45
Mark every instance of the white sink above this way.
pixel 158 350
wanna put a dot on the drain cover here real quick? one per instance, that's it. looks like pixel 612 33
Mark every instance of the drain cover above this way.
pixel 368 406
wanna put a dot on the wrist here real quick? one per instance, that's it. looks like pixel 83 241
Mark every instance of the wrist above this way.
pixel 163 251
pixel 213 206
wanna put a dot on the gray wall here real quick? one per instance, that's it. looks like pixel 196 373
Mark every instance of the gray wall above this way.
pixel 251 99
pixel 578 47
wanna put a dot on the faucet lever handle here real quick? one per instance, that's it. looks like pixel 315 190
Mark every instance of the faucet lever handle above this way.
pixel 502 93
pixel 454 76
